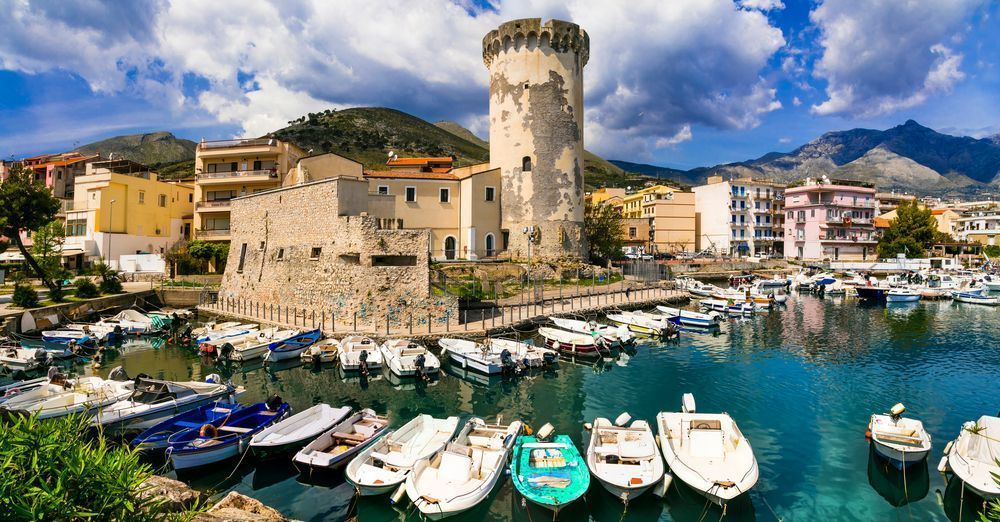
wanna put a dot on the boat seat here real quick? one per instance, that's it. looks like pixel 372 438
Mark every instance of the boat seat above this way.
pixel 634 450
pixel 454 468
pixel 706 443
pixel 461 449
pixel 353 437
pixel 234 429
pixel 186 424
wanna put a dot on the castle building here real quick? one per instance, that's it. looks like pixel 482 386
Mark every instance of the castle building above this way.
pixel 536 133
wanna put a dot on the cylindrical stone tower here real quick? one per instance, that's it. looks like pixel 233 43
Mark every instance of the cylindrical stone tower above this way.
pixel 536 133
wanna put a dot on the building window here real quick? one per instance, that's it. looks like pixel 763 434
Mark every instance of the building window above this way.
pixel 491 193
pixel 491 249
pixel 315 252
pixel 812 213
pixel 632 232
pixel 142 197
pixel 163 200
pixel 411 194
pixel 281 254
pixel 262 245
pixel 190 198
pixel 349 259
pixel 445 195
pixel 383 190
pixel 243 256
pixel 734 218
pixel 76 227
pixel 526 164
pixel 450 247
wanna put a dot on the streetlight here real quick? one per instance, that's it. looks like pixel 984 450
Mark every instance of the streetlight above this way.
pixel 111 223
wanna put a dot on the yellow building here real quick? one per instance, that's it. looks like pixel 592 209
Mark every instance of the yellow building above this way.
pixel 603 195
pixel 669 215
pixel 459 206
pixel 121 208
pixel 231 168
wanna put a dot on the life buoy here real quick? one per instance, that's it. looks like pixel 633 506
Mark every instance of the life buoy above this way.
pixel 208 431
pixel 555 345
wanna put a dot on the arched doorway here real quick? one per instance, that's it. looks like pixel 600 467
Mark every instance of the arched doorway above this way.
pixel 449 247
pixel 490 245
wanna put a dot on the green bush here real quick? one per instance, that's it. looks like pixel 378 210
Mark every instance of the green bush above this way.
pixel 57 294
pixel 85 288
pixel 54 470
pixel 25 296
pixel 111 286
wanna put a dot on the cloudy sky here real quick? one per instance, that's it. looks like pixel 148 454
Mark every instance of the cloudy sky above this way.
pixel 682 83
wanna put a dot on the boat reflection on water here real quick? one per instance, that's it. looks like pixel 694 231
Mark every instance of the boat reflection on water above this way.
pixel 898 488
pixel 959 503
pixel 412 383
pixel 353 377
pixel 275 472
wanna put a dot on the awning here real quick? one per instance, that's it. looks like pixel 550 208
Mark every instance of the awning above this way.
pixel 70 252
pixel 11 255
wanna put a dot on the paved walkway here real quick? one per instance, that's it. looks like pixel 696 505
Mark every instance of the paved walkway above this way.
pixel 491 320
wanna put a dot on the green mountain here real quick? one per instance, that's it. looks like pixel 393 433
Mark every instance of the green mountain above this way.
pixel 462 132
pixel 155 149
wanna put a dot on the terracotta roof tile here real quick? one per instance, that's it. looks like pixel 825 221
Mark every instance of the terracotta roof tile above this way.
pixel 407 162
pixel 409 174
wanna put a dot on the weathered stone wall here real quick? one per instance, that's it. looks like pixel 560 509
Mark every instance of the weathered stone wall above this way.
pixel 536 112
pixel 282 230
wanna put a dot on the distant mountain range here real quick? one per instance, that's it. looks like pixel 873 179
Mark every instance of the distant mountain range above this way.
pixel 153 149
pixel 908 157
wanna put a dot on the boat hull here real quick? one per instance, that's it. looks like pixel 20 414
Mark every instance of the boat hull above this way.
pixel 870 293
pixel 902 298
pixel 900 459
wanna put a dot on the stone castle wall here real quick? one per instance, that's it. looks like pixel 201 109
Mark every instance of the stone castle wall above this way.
pixel 536 111
pixel 363 264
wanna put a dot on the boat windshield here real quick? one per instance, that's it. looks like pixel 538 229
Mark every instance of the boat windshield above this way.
pixel 150 392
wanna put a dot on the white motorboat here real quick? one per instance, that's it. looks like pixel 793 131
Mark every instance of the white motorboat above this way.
pixel 902 295
pixel 24 359
pixel 699 289
pixel 707 451
pixel 523 354
pixel 460 476
pixel 359 353
pixel 972 457
pixel 213 326
pixel 219 336
pixel 624 459
pixel 323 351
pixel 154 400
pixel 472 355
pixel 777 281
pixel 612 335
pixel 254 344
pixel 383 466
pixel 64 336
pixel 132 322
pixel 16 389
pixel 292 347
pixel 298 430
pixel 991 282
pixel 975 298
pixel 573 343
pixel 98 332
pixel 689 318
pixel 81 396
pixel 642 324
pixel 337 446
pixel 733 308
pixel 902 441
pixel 407 358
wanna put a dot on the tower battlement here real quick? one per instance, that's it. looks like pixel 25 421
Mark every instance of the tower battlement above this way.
pixel 531 33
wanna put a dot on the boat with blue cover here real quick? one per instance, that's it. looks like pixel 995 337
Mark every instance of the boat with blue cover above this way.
pixel 872 293
pixel 224 438
pixel 549 473
pixel 155 438
pixel 292 348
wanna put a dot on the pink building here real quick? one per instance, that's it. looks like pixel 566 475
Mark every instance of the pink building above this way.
pixel 830 220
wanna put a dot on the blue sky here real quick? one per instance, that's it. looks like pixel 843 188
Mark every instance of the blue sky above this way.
pixel 681 83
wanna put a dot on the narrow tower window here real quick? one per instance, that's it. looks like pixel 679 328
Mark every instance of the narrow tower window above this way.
pixel 526 164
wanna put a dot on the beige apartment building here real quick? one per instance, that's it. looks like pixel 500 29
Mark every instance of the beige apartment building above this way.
pixel 460 207
pixel 231 168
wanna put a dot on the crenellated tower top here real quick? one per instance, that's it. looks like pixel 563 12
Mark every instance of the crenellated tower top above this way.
pixel 531 33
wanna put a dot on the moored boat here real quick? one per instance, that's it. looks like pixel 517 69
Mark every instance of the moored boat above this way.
pixel 155 437
pixel 154 400
pixel 872 293
pixel 251 345
pixel 407 358
pixel 359 353
pixel 293 347
pixel 296 431
pixel 902 295
pixel 624 459
pixel 641 324
pixel 975 298
pixel 613 335
pixel 707 452
pixel 901 441
pixel 338 445
pixel 222 439
pixel 972 456
pixel 24 359
pixel 573 343
pixel 549 471
pixel 384 465
pixel 323 351
pixel 64 336
pixel 690 318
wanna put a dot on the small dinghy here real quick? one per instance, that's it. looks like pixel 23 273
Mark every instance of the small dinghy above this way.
pixel 80 396
pixel 901 441
pixel 573 343
pixel 252 345
pixel 24 359
pixel 612 335
pixel 624 459
pixel 407 358
pixel 728 306
pixel 975 298
pixel 707 451
pixel 292 348
pixel 642 324
pixel 972 456
pixel 343 442
pixel 460 476
pixel 689 318
pixel 549 473
pixel 323 351
pixel 383 466
pixel 359 354
pixel 155 438
pixel 222 439
pixel 154 400
pixel 296 431
pixel 902 295
pixel 66 335
pixel 17 389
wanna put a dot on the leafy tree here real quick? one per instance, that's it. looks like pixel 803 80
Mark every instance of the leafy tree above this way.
pixel 210 251
pixel 912 232
pixel 27 205
pixel 603 227
pixel 181 260
pixel 47 248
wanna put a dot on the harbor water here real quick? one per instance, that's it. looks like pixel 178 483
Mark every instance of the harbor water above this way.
pixel 801 381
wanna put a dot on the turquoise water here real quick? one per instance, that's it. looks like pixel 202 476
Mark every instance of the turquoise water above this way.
pixel 800 381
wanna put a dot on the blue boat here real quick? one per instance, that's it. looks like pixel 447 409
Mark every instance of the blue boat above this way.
pixel 155 438
pixel 223 438
pixel 292 348
pixel 871 293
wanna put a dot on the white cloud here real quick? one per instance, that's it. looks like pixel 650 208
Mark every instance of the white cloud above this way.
pixel 264 63
pixel 796 101
pixel 684 134
pixel 880 57
pixel 784 140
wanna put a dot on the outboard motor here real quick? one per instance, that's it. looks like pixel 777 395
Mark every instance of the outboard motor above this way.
pixel 506 362
pixel 363 362
pixel 225 351
pixel 41 355
pixel 274 402
pixel 118 374
pixel 550 358
pixel 116 334
pixel 419 363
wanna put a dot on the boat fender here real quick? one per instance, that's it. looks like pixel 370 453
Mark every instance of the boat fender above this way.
pixel 588 426
pixel 398 495
pixel 688 404
pixel 661 488
pixel 208 431
pixel 943 465
pixel 623 419
pixel 947 448
pixel 213 378
pixel 556 345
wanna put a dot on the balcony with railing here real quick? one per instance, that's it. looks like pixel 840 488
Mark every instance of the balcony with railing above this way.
pixel 65 205
pixel 830 238
pixel 848 221
pixel 241 175
pixel 243 146
pixel 218 205
pixel 217 234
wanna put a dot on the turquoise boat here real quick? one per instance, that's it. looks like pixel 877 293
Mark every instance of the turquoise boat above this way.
pixel 550 474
